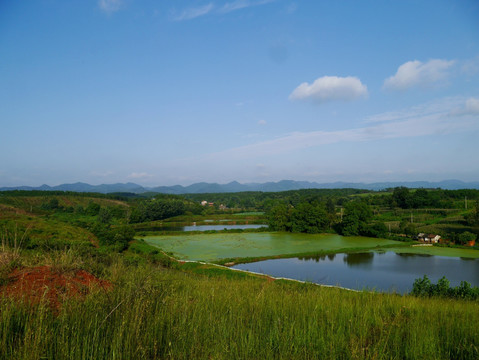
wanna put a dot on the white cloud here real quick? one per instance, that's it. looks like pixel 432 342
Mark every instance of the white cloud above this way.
pixel 241 4
pixel 442 106
pixel 471 67
pixel 194 12
pixel 291 8
pixel 416 73
pixel 262 122
pixel 472 106
pixel 421 124
pixel 110 6
pixel 330 88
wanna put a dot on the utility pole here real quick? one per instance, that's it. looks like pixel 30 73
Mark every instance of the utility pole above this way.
pixel 341 214
pixel 465 201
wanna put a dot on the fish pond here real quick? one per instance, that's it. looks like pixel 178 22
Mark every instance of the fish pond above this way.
pixel 211 247
pixel 188 228
pixel 382 271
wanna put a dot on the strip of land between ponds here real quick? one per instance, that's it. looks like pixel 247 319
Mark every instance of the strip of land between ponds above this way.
pixel 243 247
pixel 224 267
pixel 311 254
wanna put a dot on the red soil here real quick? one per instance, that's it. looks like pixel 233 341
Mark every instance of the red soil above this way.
pixel 37 283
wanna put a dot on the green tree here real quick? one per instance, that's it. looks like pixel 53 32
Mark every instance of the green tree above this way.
pixel 357 215
pixel 473 217
pixel 330 206
pixel 92 209
pixel 465 237
pixel 401 197
pixel 308 218
pixel 104 215
pixel 279 218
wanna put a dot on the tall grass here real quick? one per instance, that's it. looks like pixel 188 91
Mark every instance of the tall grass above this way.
pixel 159 313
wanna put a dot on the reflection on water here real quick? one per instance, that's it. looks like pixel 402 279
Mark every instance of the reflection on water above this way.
pixel 358 259
pixel 381 271
pixel 202 227
pixel 409 255
pixel 318 258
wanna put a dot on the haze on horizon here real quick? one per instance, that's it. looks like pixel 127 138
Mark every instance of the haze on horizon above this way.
pixel 165 93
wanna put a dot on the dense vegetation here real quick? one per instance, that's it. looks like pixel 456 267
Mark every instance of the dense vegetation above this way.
pixel 398 214
pixel 425 288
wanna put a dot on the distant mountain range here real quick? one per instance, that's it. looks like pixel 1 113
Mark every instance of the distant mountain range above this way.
pixel 235 186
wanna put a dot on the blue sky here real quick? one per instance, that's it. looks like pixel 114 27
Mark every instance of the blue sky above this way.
pixel 176 92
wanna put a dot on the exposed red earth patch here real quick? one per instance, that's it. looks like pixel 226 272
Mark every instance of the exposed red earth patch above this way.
pixel 43 282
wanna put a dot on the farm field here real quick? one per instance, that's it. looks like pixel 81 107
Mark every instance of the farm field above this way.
pixel 210 247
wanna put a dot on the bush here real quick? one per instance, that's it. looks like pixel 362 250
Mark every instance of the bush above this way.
pixel 424 288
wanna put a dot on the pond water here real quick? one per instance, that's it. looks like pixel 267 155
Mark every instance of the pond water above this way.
pixel 387 271
pixel 210 247
pixel 205 227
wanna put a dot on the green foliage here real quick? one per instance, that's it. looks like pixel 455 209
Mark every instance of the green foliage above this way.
pixel 279 218
pixel 304 218
pixel 473 217
pixel 357 215
pixel 378 230
pixel 308 218
pixel 118 236
pixel 401 197
pixel 420 198
pixel 465 237
pixel 92 209
pixel 424 288
pixel 265 201
pixel 158 209
pixel 51 204
pixel 104 216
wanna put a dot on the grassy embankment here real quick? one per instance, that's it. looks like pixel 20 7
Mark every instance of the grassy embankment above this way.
pixel 155 312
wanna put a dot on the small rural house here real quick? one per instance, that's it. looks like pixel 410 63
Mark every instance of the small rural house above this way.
pixel 428 238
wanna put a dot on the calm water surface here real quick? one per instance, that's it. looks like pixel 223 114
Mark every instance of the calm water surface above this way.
pixel 205 227
pixel 381 271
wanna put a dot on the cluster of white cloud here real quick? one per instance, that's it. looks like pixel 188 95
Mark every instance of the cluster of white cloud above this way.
pixel 410 74
pixel 194 12
pixel 417 73
pixel 328 88
pixel 472 106
pixel 110 6
pixel 241 4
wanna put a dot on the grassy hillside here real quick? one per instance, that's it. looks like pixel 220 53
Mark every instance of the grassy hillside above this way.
pixel 154 312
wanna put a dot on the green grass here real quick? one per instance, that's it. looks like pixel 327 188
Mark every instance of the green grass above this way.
pixel 249 213
pixel 155 313
pixel 46 232
pixel 210 247
pixel 439 251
